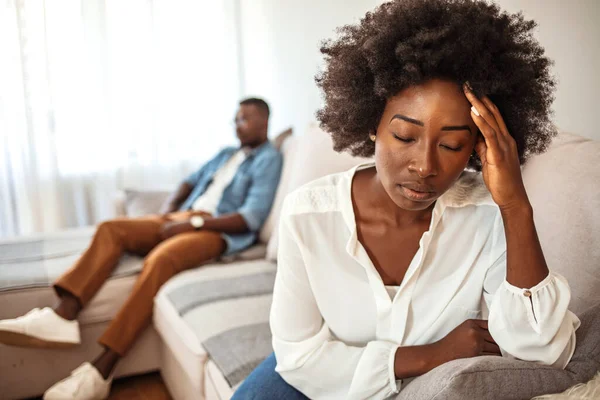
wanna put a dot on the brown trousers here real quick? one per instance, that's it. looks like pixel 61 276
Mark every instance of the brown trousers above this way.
pixel 163 260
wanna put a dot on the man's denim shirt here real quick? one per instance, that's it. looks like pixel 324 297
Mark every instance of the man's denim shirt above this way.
pixel 250 193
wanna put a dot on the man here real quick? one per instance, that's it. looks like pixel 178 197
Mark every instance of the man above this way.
pixel 217 210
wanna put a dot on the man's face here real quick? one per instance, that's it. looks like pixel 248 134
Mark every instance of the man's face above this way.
pixel 250 125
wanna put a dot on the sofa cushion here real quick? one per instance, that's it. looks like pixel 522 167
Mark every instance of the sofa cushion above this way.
pixel 313 158
pixel 144 202
pixel 219 312
pixel 288 150
pixel 563 185
pixel 38 260
pixel 500 378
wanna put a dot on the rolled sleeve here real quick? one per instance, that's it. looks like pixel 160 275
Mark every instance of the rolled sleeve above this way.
pixel 258 202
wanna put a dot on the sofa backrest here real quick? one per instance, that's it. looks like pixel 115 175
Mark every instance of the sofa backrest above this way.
pixel 305 158
pixel 563 185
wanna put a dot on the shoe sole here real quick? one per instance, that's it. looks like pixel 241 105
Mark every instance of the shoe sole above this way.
pixel 22 340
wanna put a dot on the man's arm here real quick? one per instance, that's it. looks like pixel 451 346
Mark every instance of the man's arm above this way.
pixel 187 186
pixel 229 223
pixel 232 223
pixel 177 198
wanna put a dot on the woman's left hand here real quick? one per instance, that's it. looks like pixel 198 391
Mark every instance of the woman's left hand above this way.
pixel 497 150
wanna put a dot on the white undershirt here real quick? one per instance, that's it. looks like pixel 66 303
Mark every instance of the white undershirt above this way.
pixel 209 200
pixel 336 326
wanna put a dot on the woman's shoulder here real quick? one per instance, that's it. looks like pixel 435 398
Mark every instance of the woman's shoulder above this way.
pixel 324 194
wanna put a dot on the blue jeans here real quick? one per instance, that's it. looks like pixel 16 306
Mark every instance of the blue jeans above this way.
pixel 266 384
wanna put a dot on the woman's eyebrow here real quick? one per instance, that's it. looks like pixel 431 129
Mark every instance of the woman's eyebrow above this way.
pixel 420 123
pixel 457 128
pixel 407 119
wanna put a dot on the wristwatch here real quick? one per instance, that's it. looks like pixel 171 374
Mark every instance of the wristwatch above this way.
pixel 197 222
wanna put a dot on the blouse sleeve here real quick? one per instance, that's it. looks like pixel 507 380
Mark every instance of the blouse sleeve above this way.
pixel 531 324
pixel 308 355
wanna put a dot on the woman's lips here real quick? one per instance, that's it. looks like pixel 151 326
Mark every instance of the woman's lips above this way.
pixel 416 195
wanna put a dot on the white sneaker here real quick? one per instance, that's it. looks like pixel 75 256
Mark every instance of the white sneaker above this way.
pixel 40 328
pixel 85 383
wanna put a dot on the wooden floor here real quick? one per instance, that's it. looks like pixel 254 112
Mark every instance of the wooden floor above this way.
pixel 142 387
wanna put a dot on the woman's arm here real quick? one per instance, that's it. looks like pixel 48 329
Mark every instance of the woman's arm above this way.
pixel 529 316
pixel 526 265
pixel 309 356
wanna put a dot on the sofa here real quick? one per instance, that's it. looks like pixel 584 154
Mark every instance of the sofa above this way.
pixel 210 326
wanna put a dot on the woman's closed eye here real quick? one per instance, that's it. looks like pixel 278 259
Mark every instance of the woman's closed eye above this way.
pixel 409 140
pixel 451 148
pixel 403 139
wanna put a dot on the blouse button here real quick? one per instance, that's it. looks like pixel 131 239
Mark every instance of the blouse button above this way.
pixel 527 293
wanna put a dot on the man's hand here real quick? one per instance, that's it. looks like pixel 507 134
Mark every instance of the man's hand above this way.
pixel 172 228
pixel 469 339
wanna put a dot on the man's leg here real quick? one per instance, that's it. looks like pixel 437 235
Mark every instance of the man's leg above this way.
pixel 181 252
pixel 78 285
pixel 58 327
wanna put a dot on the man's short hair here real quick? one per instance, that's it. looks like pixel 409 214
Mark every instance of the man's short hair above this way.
pixel 259 103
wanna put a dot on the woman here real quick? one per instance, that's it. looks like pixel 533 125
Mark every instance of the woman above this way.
pixel 394 268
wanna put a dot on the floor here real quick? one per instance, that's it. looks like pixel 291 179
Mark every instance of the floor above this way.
pixel 141 387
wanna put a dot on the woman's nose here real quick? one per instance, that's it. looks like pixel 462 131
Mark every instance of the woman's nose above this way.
pixel 424 163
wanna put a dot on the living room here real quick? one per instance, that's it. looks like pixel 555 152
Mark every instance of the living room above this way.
pixel 108 108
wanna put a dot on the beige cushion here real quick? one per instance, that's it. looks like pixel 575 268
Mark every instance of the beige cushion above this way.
pixel 287 150
pixel 144 202
pixel 563 185
pixel 281 138
pixel 313 157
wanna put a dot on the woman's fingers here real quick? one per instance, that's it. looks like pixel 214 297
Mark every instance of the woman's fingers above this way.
pixel 487 337
pixel 497 116
pixel 481 108
pixel 489 344
pixel 491 348
pixel 483 118
pixel 489 134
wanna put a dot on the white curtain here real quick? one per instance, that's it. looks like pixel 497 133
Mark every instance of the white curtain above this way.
pixel 98 95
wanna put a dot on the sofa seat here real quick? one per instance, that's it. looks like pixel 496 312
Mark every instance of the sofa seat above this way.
pixel 214 323
pixel 28 266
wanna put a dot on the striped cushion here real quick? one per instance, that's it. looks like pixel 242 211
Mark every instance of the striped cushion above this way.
pixel 38 260
pixel 226 307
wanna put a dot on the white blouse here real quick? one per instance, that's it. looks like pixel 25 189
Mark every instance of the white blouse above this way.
pixel 336 326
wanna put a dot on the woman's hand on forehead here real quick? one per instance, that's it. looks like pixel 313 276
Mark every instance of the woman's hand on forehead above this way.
pixel 498 152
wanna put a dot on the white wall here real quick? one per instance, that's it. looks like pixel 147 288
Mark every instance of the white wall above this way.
pixel 281 54
pixel 569 30
pixel 280 42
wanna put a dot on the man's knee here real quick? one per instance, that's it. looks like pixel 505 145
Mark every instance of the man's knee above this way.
pixel 106 228
pixel 159 259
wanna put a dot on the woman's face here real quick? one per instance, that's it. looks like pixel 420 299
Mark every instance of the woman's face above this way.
pixel 424 140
